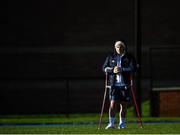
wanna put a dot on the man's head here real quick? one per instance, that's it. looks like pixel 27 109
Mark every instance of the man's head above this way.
pixel 120 47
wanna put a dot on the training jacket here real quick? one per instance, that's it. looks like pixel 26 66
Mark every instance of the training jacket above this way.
pixel 128 67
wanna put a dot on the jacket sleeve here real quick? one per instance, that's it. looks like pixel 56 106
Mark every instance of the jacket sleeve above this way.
pixel 106 66
pixel 132 67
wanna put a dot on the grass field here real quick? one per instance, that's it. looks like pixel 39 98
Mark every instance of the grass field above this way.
pixel 92 129
pixel 85 124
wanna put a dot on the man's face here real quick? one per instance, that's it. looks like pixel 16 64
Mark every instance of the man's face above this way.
pixel 119 49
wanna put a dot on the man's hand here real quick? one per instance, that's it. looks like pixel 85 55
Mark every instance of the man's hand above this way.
pixel 116 69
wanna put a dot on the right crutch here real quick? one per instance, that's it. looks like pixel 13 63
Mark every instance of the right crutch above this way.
pixel 102 109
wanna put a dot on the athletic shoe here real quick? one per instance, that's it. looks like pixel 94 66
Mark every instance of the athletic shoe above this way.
pixel 121 126
pixel 109 126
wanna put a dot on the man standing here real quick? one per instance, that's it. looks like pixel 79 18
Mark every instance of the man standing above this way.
pixel 119 66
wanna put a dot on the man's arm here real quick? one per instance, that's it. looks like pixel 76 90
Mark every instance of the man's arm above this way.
pixel 106 66
pixel 132 67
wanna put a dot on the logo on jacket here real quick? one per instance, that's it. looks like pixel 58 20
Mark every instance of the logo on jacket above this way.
pixel 126 62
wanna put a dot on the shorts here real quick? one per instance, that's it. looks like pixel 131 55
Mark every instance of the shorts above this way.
pixel 119 93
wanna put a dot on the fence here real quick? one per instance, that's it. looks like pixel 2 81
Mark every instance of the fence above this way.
pixel 58 96
pixel 51 79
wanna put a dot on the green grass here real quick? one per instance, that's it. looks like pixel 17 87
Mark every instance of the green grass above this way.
pixel 75 118
pixel 84 129
pixel 160 128
pixel 92 129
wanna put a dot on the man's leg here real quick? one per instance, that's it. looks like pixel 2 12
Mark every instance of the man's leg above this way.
pixel 112 112
pixel 122 114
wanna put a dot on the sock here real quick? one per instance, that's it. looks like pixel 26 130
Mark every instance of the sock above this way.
pixel 122 120
pixel 111 120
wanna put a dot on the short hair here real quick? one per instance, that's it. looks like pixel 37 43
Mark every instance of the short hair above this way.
pixel 120 43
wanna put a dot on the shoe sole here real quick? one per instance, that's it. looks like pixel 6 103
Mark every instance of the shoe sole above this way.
pixel 110 128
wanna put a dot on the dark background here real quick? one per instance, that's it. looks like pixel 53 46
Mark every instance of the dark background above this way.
pixel 52 51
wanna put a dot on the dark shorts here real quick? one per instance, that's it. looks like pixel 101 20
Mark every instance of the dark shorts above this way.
pixel 119 94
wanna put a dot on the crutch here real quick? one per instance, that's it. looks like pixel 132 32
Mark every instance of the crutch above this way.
pixel 134 99
pixel 104 99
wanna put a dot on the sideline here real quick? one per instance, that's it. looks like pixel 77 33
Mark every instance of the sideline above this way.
pixel 87 123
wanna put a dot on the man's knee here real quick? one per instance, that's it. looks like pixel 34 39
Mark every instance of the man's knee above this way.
pixel 113 104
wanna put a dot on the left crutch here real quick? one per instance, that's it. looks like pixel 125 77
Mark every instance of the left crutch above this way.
pixel 134 98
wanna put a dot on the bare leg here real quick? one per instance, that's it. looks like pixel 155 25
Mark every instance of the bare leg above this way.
pixel 122 113
pixel 112 109
pixel 112 113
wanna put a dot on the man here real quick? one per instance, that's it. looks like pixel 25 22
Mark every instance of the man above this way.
pixel 119 66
